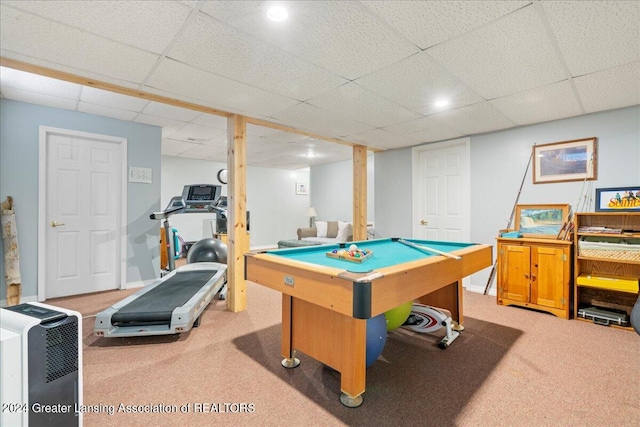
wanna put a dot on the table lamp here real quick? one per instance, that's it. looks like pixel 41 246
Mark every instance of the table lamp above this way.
pixel 311 213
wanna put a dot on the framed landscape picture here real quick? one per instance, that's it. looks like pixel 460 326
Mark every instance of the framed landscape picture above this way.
pixel 565 161
pixel 620 199
pixel 542 221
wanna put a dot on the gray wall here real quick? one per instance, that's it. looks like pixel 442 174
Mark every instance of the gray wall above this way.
pixel 498 163
pixel 332 190
pixel 276 210
pixel 19 143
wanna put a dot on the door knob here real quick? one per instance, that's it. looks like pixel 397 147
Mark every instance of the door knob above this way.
pixel 56 224
pixel 423 222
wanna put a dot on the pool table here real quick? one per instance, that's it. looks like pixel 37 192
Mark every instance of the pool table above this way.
pixel 326 301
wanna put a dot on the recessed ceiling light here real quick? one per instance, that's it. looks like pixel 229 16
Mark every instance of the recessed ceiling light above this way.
pixel 277 13
pixel 441 103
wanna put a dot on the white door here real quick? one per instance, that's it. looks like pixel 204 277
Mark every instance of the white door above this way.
pixel 442 191
pixel 82 213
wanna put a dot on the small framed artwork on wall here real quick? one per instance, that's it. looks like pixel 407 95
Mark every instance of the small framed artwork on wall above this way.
pixel 302 188
pixel 565 161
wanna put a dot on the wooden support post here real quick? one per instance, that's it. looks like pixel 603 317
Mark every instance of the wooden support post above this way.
pixel 237 212
pixel 359 192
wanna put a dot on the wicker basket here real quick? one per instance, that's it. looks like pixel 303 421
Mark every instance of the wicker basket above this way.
pixel 605 250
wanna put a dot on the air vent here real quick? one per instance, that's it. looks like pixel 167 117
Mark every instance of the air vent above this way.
pixel 62 351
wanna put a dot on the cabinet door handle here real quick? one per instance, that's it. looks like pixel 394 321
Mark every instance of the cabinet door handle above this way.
pixel 526 276
pixel 533 277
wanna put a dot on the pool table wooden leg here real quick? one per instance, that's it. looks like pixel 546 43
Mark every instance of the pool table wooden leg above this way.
pixel 353 361
pixel 331 338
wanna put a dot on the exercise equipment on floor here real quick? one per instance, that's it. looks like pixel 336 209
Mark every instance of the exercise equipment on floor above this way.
pixel 173 304
pixel 376 337
pixel 425 319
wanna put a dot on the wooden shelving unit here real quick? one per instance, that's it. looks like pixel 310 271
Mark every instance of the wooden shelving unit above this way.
pixel 606 266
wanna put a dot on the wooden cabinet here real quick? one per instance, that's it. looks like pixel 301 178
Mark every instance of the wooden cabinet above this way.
pixel 607 262
pixel 535 273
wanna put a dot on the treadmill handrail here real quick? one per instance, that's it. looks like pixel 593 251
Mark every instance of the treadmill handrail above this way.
pixel 166 213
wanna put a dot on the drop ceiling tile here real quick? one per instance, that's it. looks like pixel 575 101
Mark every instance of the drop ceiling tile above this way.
pixel 168 126
pixel 614 88
pixel 172 147
pixel 428 23
pixel 54 42
pixel 435 133
pixel 321 145
pixel 38 99
pixel 308 117
pixel 411 126
pixel 378 138
pixel 218 157
pixel 112 99
pixel 201 151
pixel 197 134
pixel 542 104
pixel 358 103
pixel 507 56
pixel 262 145
pixel 38 84
pixel 101 110
pixel 148 25
pixel 212 46
pixel 595 35
pixel 177 78
pixel 254 131
pixel 417 83
pixel 473 119
pixel 170 112
pixel 213 121
pixel 339 36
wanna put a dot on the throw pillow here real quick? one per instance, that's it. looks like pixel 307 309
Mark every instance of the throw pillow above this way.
pixel 332 229
pixel 322 228
pixel 345 229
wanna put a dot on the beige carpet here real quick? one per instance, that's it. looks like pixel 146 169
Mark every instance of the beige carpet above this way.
pixel 510 366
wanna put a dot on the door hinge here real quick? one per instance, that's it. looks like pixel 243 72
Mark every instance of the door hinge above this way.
pixel 563 301
pixel 564 257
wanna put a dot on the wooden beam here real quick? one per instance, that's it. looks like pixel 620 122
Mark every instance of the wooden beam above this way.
pixel 359 192
pixel 237 212
pixel 67 77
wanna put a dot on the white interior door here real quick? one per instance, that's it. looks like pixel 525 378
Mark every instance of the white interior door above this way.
pixel 441 191
pixel 82 218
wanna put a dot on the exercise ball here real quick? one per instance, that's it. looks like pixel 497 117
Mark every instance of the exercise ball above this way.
pixel 376 337
pixel 397 316
pixel 207 250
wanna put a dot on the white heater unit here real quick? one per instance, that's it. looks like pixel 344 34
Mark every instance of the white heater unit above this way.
pixel 40 366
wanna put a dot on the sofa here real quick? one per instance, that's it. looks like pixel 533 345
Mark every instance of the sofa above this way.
pixel 324 232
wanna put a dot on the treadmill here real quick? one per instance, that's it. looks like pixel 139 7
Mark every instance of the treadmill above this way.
pixel 173 304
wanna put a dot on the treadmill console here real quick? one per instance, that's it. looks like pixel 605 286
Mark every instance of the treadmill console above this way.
pixel 198 197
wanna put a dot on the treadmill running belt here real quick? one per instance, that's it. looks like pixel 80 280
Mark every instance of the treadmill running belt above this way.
pixel 157 305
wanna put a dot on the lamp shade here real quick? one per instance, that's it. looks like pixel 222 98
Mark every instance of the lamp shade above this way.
pixel 311 212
